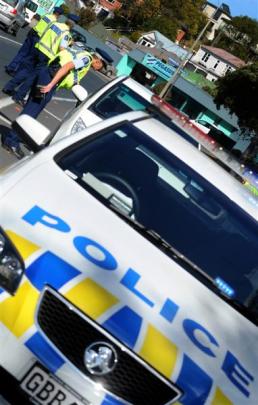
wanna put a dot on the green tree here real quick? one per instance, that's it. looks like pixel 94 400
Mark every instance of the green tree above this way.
pixel 238 91
pixel 248 26
pixel 138 12
pixel 239 37
pixel 87 16
pixel 164 25
pixel 185 12
pixel 135 36
pixel 165 16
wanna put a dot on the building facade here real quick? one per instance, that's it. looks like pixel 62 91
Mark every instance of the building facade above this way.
pixel 218 16
pixel 214 62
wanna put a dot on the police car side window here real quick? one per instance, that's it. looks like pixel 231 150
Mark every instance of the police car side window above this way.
pixel 118 100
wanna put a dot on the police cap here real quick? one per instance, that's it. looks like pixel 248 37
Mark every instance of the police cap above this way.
pixel 73 17
pixel 58 10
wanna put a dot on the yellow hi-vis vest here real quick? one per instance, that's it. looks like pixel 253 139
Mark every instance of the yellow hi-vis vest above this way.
pixel 75 75
pixel 50 41
pixel 44 23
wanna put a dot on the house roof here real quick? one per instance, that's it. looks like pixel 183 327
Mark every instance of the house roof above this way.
pixel 223 7
pixel 159 53
pixel 226 56
pixel 116 5
pixel 163 43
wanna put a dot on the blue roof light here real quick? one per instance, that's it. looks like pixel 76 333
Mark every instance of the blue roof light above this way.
pixel 224 287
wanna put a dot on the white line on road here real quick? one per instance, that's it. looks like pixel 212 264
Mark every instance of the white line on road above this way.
pixel 6 121
pixel 5 102
pixel 53 115
pixel 11 40
pixel 64 99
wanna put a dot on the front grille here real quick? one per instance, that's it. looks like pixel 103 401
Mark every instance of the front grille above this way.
pixel 71 332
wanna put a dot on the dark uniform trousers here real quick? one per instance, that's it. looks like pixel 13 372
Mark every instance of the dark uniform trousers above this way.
pixel 24 51
pixel 35 104
pixel 26 74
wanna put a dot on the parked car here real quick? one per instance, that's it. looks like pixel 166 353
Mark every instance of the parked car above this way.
pixel 12 15
pixel 124 94
pixel 128 267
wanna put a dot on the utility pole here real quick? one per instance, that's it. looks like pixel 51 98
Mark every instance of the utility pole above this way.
pixel 170 83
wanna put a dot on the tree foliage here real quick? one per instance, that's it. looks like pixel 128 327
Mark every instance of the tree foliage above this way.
pixel 185 12
pixel 166 16
pixel 238 91
pixel 87 16
pixel 239 37
pixel 137 12
pixel 248 26
pixel 164 25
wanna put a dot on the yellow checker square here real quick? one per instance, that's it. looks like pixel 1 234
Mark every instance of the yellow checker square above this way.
pixel 220 398
pixel 17 313
pixel 25 247
pixel 91 298
pixel 159 351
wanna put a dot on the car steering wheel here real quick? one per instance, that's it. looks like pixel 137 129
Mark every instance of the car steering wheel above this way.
pixel 112 180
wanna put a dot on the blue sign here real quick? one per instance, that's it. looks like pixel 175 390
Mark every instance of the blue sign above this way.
pixel 156 65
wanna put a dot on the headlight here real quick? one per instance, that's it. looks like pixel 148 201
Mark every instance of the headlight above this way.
pixel 78 126
pixel 11 264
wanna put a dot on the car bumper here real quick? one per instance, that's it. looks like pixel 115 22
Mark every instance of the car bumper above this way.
pixel 6 20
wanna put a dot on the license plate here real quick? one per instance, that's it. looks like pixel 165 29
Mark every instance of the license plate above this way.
pixel 43 388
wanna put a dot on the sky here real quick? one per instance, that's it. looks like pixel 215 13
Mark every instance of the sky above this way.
pixel 241 7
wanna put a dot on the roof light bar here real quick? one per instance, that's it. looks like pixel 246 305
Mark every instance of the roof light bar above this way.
pixel 210 145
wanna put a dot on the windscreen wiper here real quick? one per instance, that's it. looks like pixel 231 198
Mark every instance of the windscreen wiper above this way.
pixel 161 242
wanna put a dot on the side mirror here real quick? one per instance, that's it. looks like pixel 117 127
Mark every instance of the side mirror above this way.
pixel 80 92
pixel 31 132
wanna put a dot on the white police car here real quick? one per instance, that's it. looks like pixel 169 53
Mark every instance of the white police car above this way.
pixel 124 94
pixel 118 96
pixel 129 271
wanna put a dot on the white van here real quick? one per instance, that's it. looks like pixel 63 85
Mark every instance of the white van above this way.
pixel 31 8
pixel 129 271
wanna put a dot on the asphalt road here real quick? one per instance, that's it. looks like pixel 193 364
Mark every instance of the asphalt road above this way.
pixel 55 110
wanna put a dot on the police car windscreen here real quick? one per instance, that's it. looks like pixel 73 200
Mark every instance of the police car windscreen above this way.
pixel 161 192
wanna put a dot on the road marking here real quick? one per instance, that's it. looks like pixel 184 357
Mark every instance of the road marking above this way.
pixel 6 101
pixel 64 99
pixel 53 115
pixel 11 40
pixel 6 121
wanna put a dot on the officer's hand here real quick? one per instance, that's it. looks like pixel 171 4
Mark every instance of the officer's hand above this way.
pixel 46 89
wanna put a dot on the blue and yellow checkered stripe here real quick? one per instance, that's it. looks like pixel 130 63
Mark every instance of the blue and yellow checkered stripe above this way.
pixel 124 323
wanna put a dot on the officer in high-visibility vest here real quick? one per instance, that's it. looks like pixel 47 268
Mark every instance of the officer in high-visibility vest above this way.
pixel 33 36
pixel 55 38
pixel 64 71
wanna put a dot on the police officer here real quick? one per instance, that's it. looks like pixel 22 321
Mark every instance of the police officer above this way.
pixel 54 38
pixel 33 36
pixel 64 71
